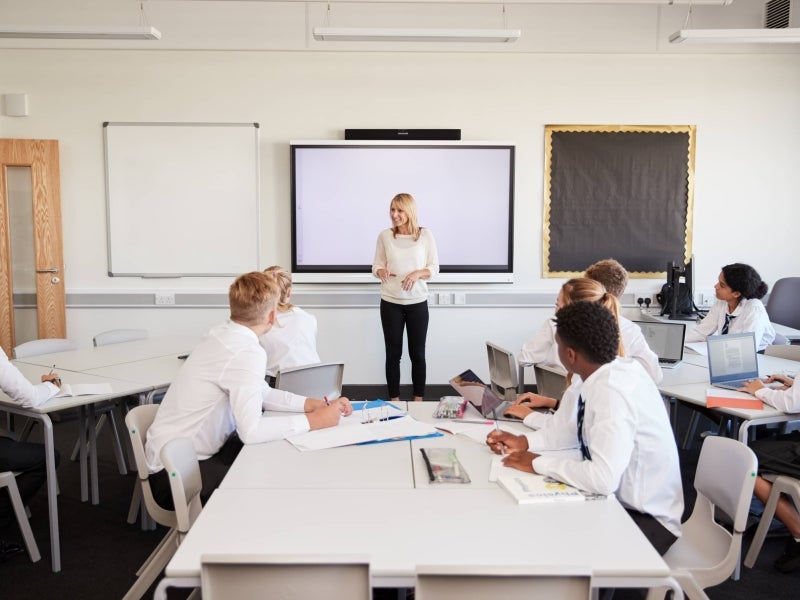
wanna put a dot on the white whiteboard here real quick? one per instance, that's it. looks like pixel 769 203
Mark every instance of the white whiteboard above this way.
pixel 182 199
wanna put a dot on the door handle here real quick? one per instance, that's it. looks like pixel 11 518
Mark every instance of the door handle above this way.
pixel 53 270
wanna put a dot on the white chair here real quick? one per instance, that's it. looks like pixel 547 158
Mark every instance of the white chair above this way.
pixel 313 381
pixel 788 352
pixel 180 461
pixel 138 421
pixel 43 346
pixel 257 576
pixel 476 582
pixel 117 336
pixel 707 554
pixel 503 372
pixel 782 484
pixel 8 480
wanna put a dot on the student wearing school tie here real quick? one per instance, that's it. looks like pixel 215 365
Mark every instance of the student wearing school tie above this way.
pixel 626 444
pixel 738 308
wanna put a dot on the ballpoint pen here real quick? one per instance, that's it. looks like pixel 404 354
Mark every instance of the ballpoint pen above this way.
pixel 327 402
pixel 57 380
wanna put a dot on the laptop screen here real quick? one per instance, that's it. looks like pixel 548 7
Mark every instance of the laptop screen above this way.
pixel 665 339
pixel 477 393
pixel 732 357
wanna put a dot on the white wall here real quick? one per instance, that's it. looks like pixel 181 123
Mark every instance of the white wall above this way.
pixel 745 107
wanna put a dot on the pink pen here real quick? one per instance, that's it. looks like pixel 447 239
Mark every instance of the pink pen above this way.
pixel 326 401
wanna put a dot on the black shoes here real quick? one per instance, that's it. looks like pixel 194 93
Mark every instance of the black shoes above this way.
pixel 9 550
pixel 790 559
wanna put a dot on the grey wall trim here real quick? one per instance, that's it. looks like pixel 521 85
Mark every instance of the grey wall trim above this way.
pixel 444 299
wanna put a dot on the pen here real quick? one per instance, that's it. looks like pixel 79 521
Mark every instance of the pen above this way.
pixel 57 380
pixel 327 403
pixel 475 422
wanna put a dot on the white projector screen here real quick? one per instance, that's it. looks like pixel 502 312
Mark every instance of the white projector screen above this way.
pixel 340 202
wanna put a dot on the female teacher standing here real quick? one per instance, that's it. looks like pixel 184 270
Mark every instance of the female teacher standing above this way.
pixel 404 258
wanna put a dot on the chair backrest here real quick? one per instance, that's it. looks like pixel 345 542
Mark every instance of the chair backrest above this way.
pixel 502 371
pixel 138 421
pixel 183 469
pixel 256 576
pixel 790 352
pixel 116 336
pixel 44 346
pixel 548 383
pixel 783 305
pixel 725 476
pixel 313 381
pixel 473 582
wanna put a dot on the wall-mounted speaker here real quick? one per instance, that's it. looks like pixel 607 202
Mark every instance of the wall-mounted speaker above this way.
pixel 402 134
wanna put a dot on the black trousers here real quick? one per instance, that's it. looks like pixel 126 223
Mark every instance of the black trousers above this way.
pixel 413 318
pixel 28 459
pixel 212 471
pixel 659 536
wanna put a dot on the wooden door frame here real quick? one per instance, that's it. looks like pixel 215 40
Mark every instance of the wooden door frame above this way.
pixel 42 157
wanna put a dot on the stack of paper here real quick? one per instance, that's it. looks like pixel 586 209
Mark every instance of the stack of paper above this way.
pixel 528 488
pixel 83 389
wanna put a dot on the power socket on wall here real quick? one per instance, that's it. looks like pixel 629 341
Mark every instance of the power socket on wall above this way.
pixel 165 298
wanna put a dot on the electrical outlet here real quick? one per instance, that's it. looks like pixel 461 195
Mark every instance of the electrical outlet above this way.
pixel 165 298
pixel 459 298
pixel 444 298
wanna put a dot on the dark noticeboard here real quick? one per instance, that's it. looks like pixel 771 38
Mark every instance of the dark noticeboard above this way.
pixel 623 192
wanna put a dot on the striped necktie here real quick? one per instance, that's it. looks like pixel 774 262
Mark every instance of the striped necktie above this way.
pixel 728 320
pixel 584 447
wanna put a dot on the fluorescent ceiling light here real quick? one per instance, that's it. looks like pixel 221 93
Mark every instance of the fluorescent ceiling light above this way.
pixel 79 32
pixel 789 35
pixel 377 34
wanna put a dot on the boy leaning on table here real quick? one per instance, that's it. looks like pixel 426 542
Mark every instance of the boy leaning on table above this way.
pixel 220 392
pixel 779 455
pixel 24 458
pixel 623 431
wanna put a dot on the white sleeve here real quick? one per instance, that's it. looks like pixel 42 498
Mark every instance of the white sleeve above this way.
pixel 541 348
pixel 431 254
pixel 754 318
pixel 559 430
pixel 380 260
pixel 19 389
pixel 787 401
pixel 708 325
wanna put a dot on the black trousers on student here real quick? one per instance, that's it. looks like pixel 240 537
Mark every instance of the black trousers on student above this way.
pixel 212 471
pixel 413 318
pixel 27 459
pixel 659 536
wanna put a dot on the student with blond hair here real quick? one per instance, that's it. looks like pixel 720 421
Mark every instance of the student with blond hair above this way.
pixel 405 257
pixel 219 395
pixel 292 342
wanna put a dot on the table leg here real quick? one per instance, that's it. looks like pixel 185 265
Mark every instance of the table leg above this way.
pixel 52 491
pixel 93 455
pixel 82 454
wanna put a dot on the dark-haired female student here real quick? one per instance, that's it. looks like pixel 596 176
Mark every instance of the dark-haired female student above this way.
pixel 738 308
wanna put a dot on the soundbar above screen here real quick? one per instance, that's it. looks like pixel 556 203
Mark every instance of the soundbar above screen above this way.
pixel 340 203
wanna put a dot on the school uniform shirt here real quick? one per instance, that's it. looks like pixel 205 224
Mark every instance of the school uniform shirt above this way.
pixel 542 347
pixel 787 401
pixel 750 315
pixel 19 389
pixel 221 389
pixel 558 430
pixel 292 341
pixel 401 255
pixel 632 447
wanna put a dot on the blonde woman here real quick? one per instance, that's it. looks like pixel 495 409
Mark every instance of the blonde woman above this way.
pixel 405 258
pixel 292 342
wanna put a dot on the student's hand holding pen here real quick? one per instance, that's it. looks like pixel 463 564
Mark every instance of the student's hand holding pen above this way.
pixel 326 415
pixel 52 377
pixel 502 442
pixel 344 406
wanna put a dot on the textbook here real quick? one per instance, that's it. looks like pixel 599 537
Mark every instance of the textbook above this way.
pixel 716 397
pixel 83 389
pixel 528 488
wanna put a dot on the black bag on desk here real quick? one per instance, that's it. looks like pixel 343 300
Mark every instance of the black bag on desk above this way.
pixel 684 306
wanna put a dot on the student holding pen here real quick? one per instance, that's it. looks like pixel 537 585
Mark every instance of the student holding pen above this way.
pixel 778 455
pixel 219 395
pixel 626 444
pixel 24 458
pixel 405 257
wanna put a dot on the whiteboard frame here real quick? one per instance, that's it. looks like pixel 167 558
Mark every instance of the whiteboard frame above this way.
pixel 189 273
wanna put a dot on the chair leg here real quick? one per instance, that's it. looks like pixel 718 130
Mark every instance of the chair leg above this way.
pixel 687 439
pixel 22 520
pixel 155 564
pixel 165 540
pixel 763 527
pixel 117 445
pixel 136 500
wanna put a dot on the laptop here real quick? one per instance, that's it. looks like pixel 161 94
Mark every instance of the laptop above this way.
pixel 481 396
pixel 666 340
pixel 732 359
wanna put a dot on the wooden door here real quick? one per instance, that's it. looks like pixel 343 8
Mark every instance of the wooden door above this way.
pixel 41 158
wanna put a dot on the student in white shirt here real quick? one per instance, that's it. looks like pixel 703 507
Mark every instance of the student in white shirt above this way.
pixel 219 393
pixel 292 342
pixel 405 257
pixel 543 346
pixel 738 308
pixel 628 448
pixel 786 399
pixel 26 459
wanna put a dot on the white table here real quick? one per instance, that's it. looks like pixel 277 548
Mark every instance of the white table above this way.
pixel 401 521
pixel 157 372
pixel 42 414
